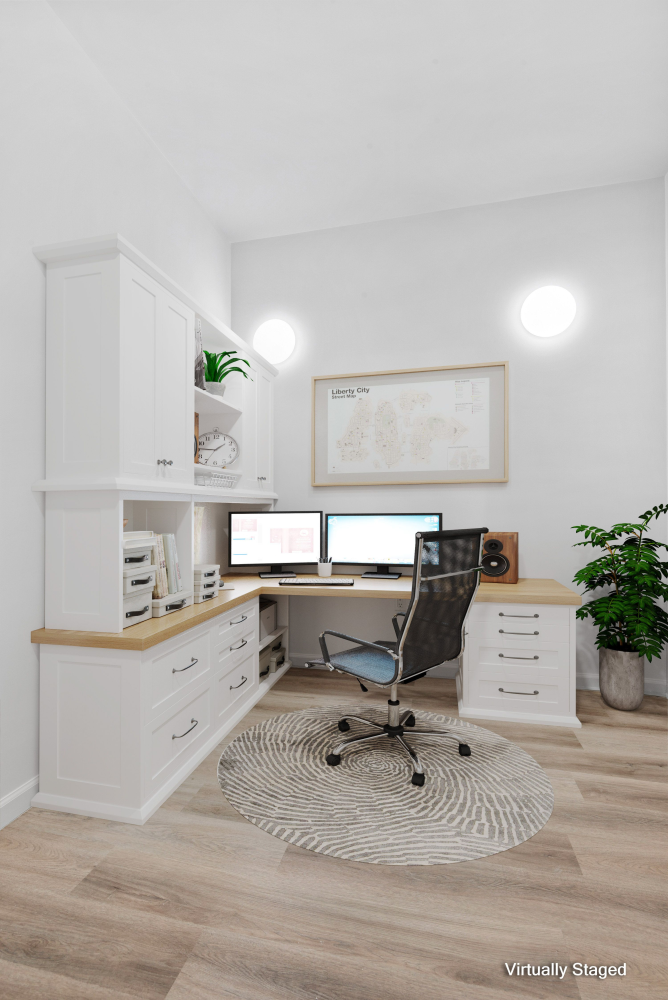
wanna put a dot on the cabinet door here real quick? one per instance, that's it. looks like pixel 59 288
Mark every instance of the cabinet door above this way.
pixel 265 430
pixel 139 320
pixel 174 390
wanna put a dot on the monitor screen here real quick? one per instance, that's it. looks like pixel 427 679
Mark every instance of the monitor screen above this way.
pixel 376 539
pixel 274 537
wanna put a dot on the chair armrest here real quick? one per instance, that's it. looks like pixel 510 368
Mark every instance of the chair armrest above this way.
pixel 397 630
pixel 350 638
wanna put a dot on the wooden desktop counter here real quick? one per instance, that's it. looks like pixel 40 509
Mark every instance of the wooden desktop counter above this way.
pixel 157 630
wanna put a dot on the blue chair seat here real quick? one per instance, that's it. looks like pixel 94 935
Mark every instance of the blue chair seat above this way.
pixel 368 664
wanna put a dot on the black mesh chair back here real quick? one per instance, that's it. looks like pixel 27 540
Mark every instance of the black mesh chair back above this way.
pixel 445 579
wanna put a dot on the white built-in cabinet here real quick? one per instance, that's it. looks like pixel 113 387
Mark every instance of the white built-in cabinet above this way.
pixel 121 729
pixel 119 376
pixel 120 415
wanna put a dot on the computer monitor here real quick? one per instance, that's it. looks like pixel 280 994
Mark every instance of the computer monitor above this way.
pixel 382 540
pixel 258 538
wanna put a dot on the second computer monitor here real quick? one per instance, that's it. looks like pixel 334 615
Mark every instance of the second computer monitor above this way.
pixel 380 540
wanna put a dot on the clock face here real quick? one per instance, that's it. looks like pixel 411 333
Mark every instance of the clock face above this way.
pixel 217 449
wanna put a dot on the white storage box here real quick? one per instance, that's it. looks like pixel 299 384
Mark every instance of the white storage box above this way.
pixel 137 580
pixel 206 586
pixel 173 602
pixel 136 608
pixel 271 657
pixel 206 571
pixel 137 557
pixel 267 617
pixel 201 598
pixel 138 548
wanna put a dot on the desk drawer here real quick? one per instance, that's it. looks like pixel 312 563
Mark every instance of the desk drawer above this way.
pixel 179 736
pixel 234 685
pixel 508 615
pixel 504 631
pixel 245 616
pixel 181 666
pixel 534 697
pixel 236 647
pixel 506 657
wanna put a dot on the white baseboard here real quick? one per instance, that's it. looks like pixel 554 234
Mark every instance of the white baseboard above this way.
pixel 17 802
pixel 589 682
pixel 127 814
pixel 534 719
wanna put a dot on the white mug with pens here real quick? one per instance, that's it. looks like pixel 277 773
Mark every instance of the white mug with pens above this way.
pixel 325 567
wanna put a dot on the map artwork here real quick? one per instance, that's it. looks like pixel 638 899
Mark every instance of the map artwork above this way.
pixel 408 427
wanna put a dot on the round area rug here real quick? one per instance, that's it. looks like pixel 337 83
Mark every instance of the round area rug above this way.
pixel 366 809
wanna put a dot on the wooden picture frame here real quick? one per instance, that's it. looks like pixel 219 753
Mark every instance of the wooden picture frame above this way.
pixel 452 430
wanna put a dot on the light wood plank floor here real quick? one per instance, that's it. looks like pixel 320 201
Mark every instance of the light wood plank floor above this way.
pixel 200 905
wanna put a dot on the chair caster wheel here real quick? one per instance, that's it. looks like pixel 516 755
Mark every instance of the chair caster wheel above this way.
pixel 417 779
pixel 333 759
pixel 465 749
pixel 344 726
pixel 410 721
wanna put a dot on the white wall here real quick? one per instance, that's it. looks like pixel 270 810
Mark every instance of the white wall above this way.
pixel 74 164
pixel 587 409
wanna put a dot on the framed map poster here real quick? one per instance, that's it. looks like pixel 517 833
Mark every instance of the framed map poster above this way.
pixel 415 425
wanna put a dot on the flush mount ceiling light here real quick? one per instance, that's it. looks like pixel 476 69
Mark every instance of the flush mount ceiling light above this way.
pixel 548 311
pixel 274 340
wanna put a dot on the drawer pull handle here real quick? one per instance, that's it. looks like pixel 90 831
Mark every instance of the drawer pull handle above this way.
pixel 136 583
pixel 194 723
pixel 244 642
pixel 136 559
pixel 504 657
pixel 207 585
pixel 136 614
pixel 239 620
pixel 519 692
pixel 163 461
pixel 504 632
pixel 240 684
pixel 211 572
pixel 502 614
pixel 174 607
pixel 208 597
pixel 179 670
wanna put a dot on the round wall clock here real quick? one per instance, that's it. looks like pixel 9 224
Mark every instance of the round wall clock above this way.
pixel 217 449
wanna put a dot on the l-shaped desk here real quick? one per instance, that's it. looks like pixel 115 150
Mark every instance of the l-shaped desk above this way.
pixel 125 717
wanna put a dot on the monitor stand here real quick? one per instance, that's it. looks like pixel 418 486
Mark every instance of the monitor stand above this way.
pixel 382 573
pixel 275 571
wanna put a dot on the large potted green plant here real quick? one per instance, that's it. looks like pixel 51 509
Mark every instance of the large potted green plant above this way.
pixel 218 366
pixel 631 623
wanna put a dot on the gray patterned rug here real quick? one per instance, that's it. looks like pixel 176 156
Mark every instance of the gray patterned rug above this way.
pixel 366 809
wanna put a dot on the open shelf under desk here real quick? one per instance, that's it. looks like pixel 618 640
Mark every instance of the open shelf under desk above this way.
pixel 276 634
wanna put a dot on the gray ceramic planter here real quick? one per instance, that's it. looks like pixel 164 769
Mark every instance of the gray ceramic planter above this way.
pixel 621 679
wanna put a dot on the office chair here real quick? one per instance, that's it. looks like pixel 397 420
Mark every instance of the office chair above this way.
pixel 446 574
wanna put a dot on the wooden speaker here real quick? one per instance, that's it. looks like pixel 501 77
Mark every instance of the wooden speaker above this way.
pixel 499 557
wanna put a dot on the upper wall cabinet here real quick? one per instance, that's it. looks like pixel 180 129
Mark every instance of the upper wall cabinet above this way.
pixel 119 375
pixel 120 399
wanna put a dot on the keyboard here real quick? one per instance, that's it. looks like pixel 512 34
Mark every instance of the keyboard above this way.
pixel 316 581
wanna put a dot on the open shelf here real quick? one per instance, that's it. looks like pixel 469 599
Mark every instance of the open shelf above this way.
pixel 213 406
pixel 272 636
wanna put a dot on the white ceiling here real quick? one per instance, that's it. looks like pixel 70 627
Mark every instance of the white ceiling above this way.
pixel 290 115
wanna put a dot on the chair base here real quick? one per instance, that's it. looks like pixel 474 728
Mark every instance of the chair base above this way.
pixel 398 727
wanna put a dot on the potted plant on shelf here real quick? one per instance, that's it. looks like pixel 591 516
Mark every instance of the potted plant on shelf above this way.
pixel 631 624
pixel 218 366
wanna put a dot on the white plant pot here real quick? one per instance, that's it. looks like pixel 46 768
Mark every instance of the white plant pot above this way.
pixel 216 388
